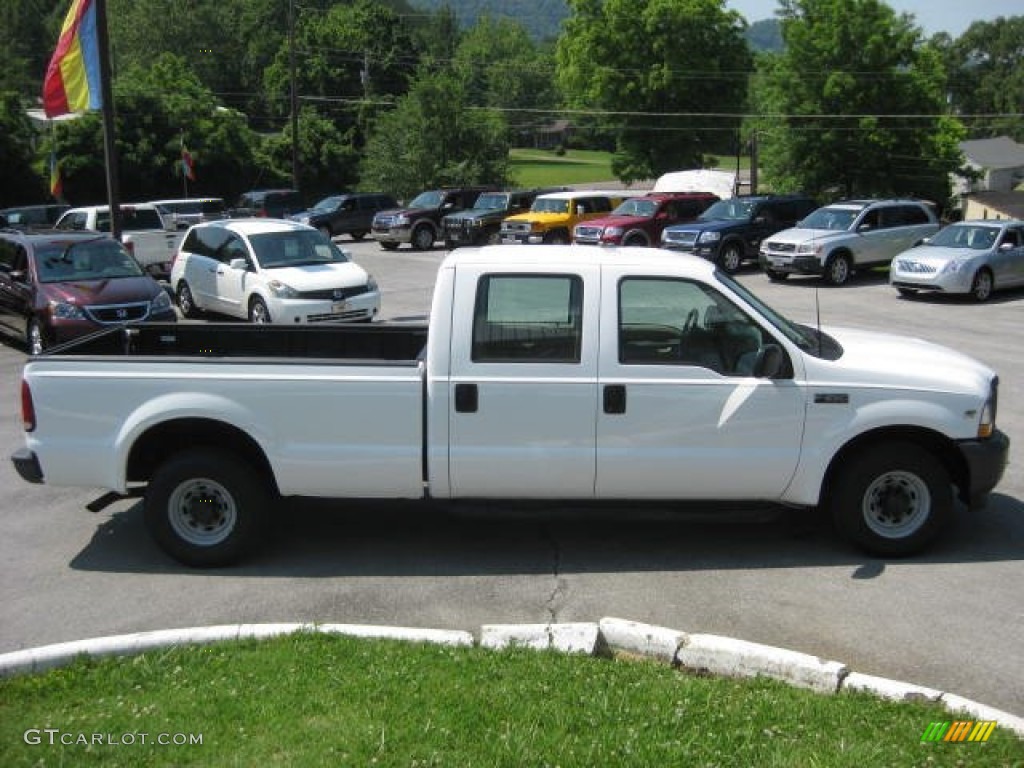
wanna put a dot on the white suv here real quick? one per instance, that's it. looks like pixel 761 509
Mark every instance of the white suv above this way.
pixel 270 270
pixel 838 239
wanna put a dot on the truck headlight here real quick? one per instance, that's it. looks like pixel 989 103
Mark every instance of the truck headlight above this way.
pixel 809 248
pixel 66 311
pixel 281 290
pixel 400 221
pixel 612 232
pixel 710 237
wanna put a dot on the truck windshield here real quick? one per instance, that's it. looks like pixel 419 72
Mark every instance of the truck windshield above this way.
pixel 810 340
pixel 295 249
pixel 839 219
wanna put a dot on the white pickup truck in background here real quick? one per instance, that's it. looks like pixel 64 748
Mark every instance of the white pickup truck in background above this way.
pixel 147 236
pixel 555 373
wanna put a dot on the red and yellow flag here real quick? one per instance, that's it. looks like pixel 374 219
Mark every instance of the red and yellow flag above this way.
pixel 72 81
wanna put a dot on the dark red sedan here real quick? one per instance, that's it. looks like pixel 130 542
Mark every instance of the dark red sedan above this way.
pixel 57 286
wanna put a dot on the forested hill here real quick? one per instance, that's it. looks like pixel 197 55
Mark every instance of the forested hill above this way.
pixel 543 18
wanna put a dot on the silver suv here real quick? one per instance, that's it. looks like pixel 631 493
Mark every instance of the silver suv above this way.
pixel 838 239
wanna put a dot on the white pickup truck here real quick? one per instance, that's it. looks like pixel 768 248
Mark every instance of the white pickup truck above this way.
pixel 147 236
pixel 555 373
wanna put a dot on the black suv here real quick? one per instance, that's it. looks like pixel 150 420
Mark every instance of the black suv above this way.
pixel 270 203
pixel 347 213
pixel 480 224
pixel 730 231
pixel 419 224
pixel 28 216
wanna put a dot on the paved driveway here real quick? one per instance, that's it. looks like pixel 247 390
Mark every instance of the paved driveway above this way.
pixel 953 619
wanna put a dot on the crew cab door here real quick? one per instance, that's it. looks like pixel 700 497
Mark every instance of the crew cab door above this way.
pixel 680 415
pixel 523 383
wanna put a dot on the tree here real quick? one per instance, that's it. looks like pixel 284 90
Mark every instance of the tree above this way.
pixel 986 77
pixel 668 78
pixel 855 104
pixel 432 139
pixel 23 182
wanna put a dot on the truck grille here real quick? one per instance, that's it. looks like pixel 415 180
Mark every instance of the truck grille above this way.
pixel 335 294
pixel 108 314
pixel 780 247
pixel 339 317
pixel 681 240
pixel 383 222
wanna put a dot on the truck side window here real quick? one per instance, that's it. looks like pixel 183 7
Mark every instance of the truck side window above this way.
pixel 680 322
pixel 528 318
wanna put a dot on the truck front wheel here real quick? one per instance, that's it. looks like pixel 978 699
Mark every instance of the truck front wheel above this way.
pixel 206 509
pixel 731 257
pixel 423 238
pixel 893 500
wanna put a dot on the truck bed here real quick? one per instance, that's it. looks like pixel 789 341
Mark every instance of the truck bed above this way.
pixel 377 343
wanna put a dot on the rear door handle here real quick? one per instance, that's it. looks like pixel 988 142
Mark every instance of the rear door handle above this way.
pixel 615 398
pixel 466 398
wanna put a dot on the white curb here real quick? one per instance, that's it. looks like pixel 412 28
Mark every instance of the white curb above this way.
pixel 955 704
pixel 632 637
pixel 568 638
pixel 739 658
pixel 884 688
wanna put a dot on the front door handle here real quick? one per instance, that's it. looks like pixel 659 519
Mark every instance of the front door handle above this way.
pixel 615 398
pixel 466 398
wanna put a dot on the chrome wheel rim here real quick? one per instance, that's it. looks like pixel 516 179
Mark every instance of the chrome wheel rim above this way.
pixel 896 504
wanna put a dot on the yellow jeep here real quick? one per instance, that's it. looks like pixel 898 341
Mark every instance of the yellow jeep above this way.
pixel 552 217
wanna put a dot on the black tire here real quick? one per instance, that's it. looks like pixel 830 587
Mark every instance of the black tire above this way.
pixel 258 312
pixel 389 246
pixel 982 285
pixel 422 238
pixel 635 238
pixel 838 270
pixel 206 508
pixel 35 337
pixel 557 237
pixel 357 234
pixel 186 303
pixel 892 500
pixel 776 277
pixel 907 293
pixel 731 257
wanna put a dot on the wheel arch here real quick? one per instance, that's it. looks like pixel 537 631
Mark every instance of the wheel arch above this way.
pixel 940 446
pixel 637 233
pixel 161 441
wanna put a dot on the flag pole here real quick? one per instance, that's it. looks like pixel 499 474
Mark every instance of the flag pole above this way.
pixel 109 145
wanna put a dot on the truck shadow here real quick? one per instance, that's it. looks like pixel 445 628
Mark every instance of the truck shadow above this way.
pixel 313 538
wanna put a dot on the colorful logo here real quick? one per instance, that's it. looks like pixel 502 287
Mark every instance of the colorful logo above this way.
pixel 959 730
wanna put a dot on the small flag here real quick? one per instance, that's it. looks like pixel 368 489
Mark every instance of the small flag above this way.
pixel 56 182
pixel 188 167
pixel 72 82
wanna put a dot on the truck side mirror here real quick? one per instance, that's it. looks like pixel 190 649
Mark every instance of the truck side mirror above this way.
pixel 769 362
pixel 239 263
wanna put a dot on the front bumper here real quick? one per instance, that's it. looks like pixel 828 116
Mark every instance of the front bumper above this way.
pixel 805 265
pixel 392 234
pixel 362 307
pixel 26 463
pixel 986 462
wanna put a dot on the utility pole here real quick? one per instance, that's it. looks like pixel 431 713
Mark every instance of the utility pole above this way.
pixel 107 110
pixel 294 94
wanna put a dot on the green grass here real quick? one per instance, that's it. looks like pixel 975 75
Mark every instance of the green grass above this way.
pixel 544 168
pixel 310 699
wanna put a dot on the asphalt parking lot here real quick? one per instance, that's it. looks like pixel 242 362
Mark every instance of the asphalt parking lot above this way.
pixel 951 619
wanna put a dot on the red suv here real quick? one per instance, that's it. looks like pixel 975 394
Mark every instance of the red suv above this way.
pixel 640 220
pixel 57 285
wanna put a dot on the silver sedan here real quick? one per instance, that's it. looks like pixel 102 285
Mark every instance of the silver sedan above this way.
pixel 972 257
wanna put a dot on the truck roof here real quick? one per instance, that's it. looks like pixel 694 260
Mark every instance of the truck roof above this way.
pixel 550 255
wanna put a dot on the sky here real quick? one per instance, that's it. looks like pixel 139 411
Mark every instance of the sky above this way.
pixel 952 16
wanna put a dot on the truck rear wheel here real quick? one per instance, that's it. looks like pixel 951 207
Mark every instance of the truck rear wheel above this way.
pixel 205 508
pixel 893 500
